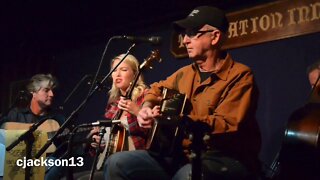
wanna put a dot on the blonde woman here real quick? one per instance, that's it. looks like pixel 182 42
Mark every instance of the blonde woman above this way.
pixel 123 77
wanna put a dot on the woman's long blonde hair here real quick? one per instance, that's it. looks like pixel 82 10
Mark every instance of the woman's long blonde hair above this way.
pixel 140 86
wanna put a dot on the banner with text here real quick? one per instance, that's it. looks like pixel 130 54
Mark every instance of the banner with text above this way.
pixel 268 22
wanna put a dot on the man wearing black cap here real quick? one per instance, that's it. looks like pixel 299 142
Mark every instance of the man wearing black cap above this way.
pixel 222 96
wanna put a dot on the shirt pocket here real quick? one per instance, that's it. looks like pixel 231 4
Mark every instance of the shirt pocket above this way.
pixel 209 101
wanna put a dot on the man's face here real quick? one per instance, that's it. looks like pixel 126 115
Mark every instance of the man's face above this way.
pixel 43 97
pixel 198 42
pixel 313 76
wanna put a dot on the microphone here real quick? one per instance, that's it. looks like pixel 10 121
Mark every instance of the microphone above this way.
pixel 152 39
pixel 107 123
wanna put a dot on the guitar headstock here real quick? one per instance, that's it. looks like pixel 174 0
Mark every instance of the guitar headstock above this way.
pixel 154 56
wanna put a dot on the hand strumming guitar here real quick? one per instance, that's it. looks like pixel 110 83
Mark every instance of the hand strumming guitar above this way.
pixel 146 116
pixel 96 138
pixel 128 106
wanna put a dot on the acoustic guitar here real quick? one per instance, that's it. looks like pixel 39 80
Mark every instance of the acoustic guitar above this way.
pixel 306 130
pixel 50 126
pixel 167 132
pixel 115 139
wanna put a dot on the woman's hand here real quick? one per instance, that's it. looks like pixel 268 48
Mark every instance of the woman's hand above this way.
pixel 128 105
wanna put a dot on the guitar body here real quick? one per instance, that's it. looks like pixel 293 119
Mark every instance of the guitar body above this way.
pixel 166 136
pixel 48 126
pixel 300 152
pixel 167 133
pixel 306 130
pixel 115 143
pixel 119 140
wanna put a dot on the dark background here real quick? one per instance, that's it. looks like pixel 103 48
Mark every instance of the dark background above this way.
pixel 67 39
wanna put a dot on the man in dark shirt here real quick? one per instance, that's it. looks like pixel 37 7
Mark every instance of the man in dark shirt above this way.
pixel 41 91
pixel 40 87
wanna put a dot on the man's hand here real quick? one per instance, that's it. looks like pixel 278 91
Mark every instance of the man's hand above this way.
pixel 146 116
pixel 96 138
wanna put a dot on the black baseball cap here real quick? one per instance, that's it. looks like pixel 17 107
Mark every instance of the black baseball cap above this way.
pixel 203 15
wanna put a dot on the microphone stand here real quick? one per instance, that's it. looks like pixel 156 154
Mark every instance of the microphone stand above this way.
pixel 69 152
pixel 198 134
pixel 26 134
pixel 29 140
pixel 69 119
pixel 196 167
pixel 98 151
pixel 61 107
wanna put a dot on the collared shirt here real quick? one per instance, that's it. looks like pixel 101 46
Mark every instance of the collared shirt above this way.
pixel 223 101
pixel 137 133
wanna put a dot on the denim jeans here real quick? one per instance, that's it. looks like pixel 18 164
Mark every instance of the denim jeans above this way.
pixel 55 172
pixel 133 165
pixel 141 165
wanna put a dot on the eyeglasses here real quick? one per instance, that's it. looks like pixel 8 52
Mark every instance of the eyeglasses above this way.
pixel 194 33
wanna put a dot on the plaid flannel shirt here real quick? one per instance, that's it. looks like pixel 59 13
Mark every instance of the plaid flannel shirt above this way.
pixel 138 134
